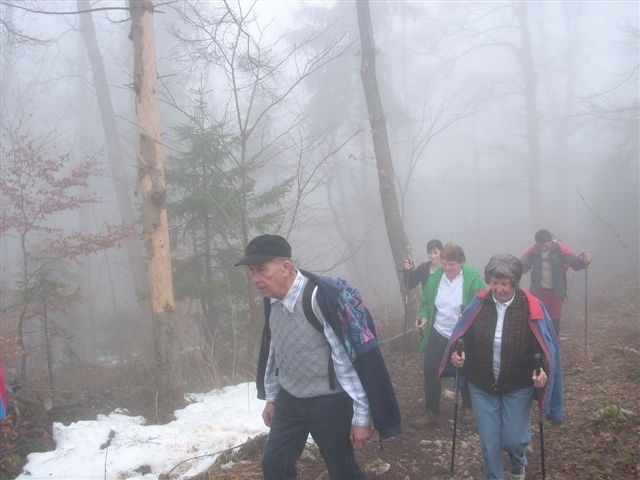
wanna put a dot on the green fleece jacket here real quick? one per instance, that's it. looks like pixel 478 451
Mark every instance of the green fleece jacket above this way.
pixel 472 282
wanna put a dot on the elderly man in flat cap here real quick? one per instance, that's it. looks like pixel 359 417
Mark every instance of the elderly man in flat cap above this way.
pixel 304 372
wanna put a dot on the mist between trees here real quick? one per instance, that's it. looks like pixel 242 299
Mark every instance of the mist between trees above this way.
pixel 144 143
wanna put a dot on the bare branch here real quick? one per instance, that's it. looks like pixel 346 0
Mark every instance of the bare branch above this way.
pixel 305 176
pixel 21 37
pixel 76 12
pixel 49 12
pixel 625 249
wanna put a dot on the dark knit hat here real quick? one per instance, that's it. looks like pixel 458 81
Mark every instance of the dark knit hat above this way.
pixel 264 248
pixel 543 236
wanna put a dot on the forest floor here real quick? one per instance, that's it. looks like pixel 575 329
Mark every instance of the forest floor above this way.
pixel 599 438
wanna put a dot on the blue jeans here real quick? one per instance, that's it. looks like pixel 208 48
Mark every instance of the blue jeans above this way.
pixel 328 419
pixel 504 423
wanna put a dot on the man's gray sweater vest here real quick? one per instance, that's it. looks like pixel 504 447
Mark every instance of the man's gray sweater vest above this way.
pixel 301 353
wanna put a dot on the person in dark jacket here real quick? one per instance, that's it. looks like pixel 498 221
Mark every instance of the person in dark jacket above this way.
pixel 421 273
pixel 502 330
pixel 548 261
pixel 335 405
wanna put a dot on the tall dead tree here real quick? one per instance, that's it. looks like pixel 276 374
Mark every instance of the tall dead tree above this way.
pixel 525 56
pixel 120 172
pixel 154 211
pixel 391 208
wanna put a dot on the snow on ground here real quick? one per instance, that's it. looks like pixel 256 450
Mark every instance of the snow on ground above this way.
pixel 118 446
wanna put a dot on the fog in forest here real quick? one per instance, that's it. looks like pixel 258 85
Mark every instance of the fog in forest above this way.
pixel 502 118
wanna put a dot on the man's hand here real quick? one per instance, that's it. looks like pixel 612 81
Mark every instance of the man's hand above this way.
pixel 359 435
pixel 539 380
pixel 421 324
pixel 457 360
pixel 585 257
pixel 268 413
pixel 408 264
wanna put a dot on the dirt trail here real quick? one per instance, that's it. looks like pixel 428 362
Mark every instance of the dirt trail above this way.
pixel 598 440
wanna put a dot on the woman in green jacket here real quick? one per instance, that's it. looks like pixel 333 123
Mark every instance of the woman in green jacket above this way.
pixel 446 294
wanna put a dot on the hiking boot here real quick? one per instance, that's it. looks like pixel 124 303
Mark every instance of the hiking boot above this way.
pixel 467 416
pixel 433 418
pixel 429 419
pixel 517 474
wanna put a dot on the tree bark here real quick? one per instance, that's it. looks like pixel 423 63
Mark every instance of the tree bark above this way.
pixel 531 103
pixel 120 173
pixel 154 212
pixel 393 219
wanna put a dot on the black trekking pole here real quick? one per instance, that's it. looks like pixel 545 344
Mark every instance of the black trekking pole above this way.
pixel 406 313
pixel 537 362
pixel 586 290
pixel 459 348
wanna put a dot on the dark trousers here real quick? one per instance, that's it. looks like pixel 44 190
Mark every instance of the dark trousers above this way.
pixel 436 347
pixel 328 419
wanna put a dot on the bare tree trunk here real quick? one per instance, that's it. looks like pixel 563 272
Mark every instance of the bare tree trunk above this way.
pixel 561 108
pixel 210 316
pixel 531 102
pixel 7 63
pixel 154 211
pixel 393 219
pixel 255 312
pixel 47 341
pixel 22 319
pixel 566 123
pixel 83 315
pixel 120 173
pixel 121 346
